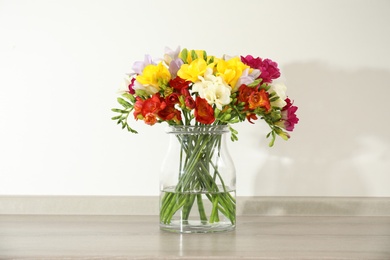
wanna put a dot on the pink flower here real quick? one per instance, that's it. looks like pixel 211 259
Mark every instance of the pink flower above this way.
pixel 254 63
pixel 131 86
pixel 269 69
pixel 289 118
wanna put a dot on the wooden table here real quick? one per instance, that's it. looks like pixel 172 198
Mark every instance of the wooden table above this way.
pixel 139 237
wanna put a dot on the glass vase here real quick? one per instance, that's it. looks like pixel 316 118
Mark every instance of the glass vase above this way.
pixel 198 181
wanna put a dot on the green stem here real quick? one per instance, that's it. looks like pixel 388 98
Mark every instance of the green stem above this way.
pixel 196 155
pixel 201 210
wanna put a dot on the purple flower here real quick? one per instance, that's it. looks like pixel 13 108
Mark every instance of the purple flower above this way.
pixel 174 67
pixel 139 66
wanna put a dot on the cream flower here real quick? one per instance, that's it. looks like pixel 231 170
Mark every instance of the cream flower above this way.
pixel 213 89
pixel 280 90
pixel 124 87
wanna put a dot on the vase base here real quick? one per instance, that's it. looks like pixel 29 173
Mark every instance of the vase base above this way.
pixel 197 227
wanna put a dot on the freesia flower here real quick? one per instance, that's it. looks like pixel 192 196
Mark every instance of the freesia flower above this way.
pixel 269 69
pixel 148 109
pixel 174 66
pixel 244 92
pixel 151 78
pixel 213 89
pixel 289 118
pixel 139 66
pixel 193 70
pixel 230 71
pixel 180 85
pixel 204 113
pixel 259 99
pixel 249 60
pixel 188 87
pixel 280 90
pixel 171 58
pixel 127 85
pixel 171 55
pixel 189 102
pixel 248 76
pixel 169 113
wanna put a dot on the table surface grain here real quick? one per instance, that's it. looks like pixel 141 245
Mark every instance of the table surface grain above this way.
pixel 138 237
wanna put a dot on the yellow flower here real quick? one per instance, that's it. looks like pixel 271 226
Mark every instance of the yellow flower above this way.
pixel 231 70
pixel 154 75
pixel 193 70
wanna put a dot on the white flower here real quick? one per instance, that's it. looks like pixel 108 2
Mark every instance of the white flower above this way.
pixel 280 90
pixel 124 87
pixel 213 89
pixel 149 89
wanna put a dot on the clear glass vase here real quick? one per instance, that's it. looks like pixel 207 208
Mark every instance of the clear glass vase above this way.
pixel 198 181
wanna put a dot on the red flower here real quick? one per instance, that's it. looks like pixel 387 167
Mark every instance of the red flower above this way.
pixel 172 99
pixel 289 118
pixel 150 119
pixel 251 117
pixel 204 113
pixel 152 105
pixel 148 109
pixel 179 83
pixel 244 92
pixel 138 108
pixel 190 102
pixel 259 99
pixel 169 113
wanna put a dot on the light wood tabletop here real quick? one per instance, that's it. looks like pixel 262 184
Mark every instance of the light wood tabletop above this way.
pixel 138 237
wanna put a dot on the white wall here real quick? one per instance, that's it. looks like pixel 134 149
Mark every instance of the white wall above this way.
pixel 61 63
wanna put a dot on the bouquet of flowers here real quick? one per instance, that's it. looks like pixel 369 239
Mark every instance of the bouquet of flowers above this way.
pixel 192 88
pixel 189 87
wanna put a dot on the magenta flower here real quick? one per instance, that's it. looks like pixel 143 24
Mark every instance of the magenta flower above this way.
pixel 254 63
pixel 269 69
pixel 289 118
pixel 131 86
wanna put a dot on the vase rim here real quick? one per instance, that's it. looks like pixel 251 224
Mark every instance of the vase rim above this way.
pixel 190 129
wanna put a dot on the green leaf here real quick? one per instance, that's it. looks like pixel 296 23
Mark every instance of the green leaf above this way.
pixel 205 55
pixel 124 103
pixel 129 97
pixel 117 110
pixel 131 129
pixel 233 130
pixel 116 117
pixel 271 143
pixel 141 93
pixel 255 83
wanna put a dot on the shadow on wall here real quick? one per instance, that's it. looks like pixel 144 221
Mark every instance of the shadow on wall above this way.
pixel 341 146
